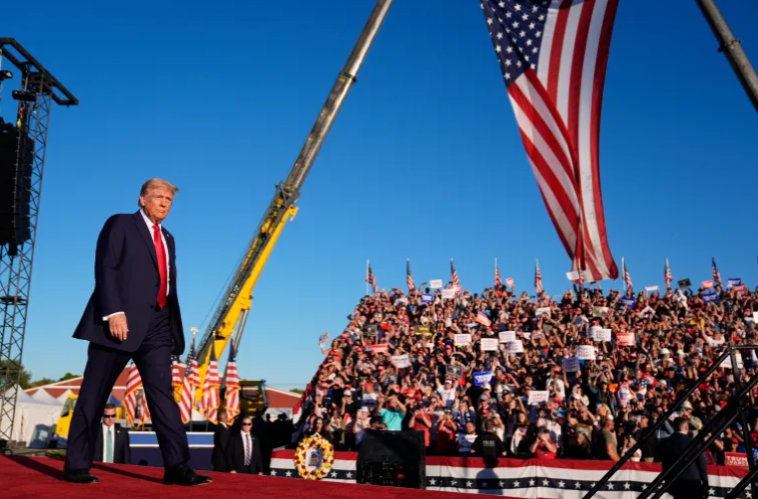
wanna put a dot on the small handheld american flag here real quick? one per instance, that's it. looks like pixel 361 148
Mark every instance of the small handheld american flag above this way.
pixel 716 274
pixel 498 280
pixel 371 279
pixel 409 277
pixel 627 278
pixel 667 277
pixel 232 382
pixel 537 278
pixel 454 277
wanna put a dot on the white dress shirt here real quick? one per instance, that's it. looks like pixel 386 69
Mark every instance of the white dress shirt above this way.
pixel 105 440
pixel 150 224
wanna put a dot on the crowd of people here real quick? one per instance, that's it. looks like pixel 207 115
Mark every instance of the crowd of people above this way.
pixel 519 376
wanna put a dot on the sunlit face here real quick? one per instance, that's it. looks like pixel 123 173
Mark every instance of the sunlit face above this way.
pixel 157 203
pixel 109 417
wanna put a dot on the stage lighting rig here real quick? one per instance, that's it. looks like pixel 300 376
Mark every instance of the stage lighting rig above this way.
pixel 23 144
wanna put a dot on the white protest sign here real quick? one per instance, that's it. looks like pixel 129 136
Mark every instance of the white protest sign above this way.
pixel 571 364
pixel 489 345
pixel 537 397
pixel 603 335
pixel 506 336
pixel 542 311
pixel 755 316
pixel 600 311
pixel 323 340
pixel 461 340
pixel 650 289
pixel 727 364
pixel 594 330
pixel 401 361
pixel 585 352
pixel 625 339
pixel 448 294
pixel 515 347
pixel 435 283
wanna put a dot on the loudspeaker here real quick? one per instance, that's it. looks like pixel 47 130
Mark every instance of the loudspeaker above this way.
pixel 15 185
pixel 392 458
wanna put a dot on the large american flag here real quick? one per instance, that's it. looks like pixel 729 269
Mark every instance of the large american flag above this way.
pixel 627 278
pixel 211 384
pixel 191 382
pixel 454 277
pixel 371 279
pixel 716 274
pixel 409 277
pixel 538 278
pixel 553 57
pixel 133 383
pixel 176 378
pixel 498 280
pixel 232 383
pixel 667 277
pixel 144 411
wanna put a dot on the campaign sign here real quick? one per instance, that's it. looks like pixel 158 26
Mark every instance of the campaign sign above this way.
pixel 448 294
pixel 735 459
pixel 542 311
pixel 585 352
pixel 401 361
pixel 600 311
pixel 323 339
pixel 435 283
pixel 684 283
pixel 515 347
pixel 461 340
pixel 382 348
pixel 482 378
pixel 489 344
pixel 427 298
pixel 603 335
pixel 506 336
pixel 711 297
pixel 454 372
pixel 629 302
pixel 571 364
pixel 425 330
pixel 625 339
pixel 537 397
pixel 733 282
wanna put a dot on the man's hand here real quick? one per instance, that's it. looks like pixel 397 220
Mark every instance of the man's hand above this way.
pixel 233 471
pixel 118 327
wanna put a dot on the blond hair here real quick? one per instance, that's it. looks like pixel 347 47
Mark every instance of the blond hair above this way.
pixel 155 182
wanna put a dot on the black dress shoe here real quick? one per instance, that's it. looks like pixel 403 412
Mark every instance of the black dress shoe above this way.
pixel 184 475
pixel 79 476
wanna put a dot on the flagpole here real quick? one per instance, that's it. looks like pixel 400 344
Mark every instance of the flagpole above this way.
pixel 732 48
pixel 367 265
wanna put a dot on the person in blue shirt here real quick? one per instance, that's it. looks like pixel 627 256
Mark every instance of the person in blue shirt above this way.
pixel 393 415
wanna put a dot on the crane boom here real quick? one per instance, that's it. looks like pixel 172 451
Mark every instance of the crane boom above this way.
pixel 237 299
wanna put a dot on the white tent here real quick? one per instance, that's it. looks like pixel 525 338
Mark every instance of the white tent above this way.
pixel 34 423
pixel 43 397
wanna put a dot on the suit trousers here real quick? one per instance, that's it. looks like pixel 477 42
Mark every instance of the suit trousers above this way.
pixel 104 365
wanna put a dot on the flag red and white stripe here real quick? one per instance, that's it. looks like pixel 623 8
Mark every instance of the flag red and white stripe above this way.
pixel 370 278
pixel 232 383
pixel 667 277
pixel 498 281
pixel 454 277
pixel 176 377
pixel 510 282
pixel 482 319
pixel 211 385
pixel 716 274
pixel 627 277
pixel 409 277
pixel 144 411
pixel 553 57
pixel 133 383
pixel 538 278
pixel 191 383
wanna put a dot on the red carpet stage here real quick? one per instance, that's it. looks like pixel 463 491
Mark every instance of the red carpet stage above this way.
pixel 23 477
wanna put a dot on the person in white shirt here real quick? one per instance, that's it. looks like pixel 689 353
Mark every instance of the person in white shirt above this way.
pixel 112 442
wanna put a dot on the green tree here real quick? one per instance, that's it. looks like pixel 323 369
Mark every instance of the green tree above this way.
pixel 41 382
pixel 68 376
pixel 9 370
pixel 298 391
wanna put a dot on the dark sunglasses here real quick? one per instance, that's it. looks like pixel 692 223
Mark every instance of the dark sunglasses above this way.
pixel 247 424
pixel 109 415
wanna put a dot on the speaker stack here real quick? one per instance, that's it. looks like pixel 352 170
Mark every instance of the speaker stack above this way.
pixel 393 459
pixel 15 185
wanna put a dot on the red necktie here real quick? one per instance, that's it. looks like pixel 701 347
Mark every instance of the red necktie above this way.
pixel 160 252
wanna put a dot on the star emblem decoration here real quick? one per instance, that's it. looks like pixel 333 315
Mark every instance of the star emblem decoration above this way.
pixel 289 473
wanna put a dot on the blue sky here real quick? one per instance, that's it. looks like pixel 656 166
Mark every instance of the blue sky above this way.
pixel 424 161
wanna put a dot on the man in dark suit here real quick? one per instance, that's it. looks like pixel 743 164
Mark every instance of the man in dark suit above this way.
pixel 692 483
pixel 243 454
pixel 112 443
pixel 220 442
pixel 133 313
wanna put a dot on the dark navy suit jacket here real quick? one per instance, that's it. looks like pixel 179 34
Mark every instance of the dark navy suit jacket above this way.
pixel 127 280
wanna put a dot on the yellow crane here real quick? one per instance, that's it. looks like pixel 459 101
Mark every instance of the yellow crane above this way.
pixel 232 310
